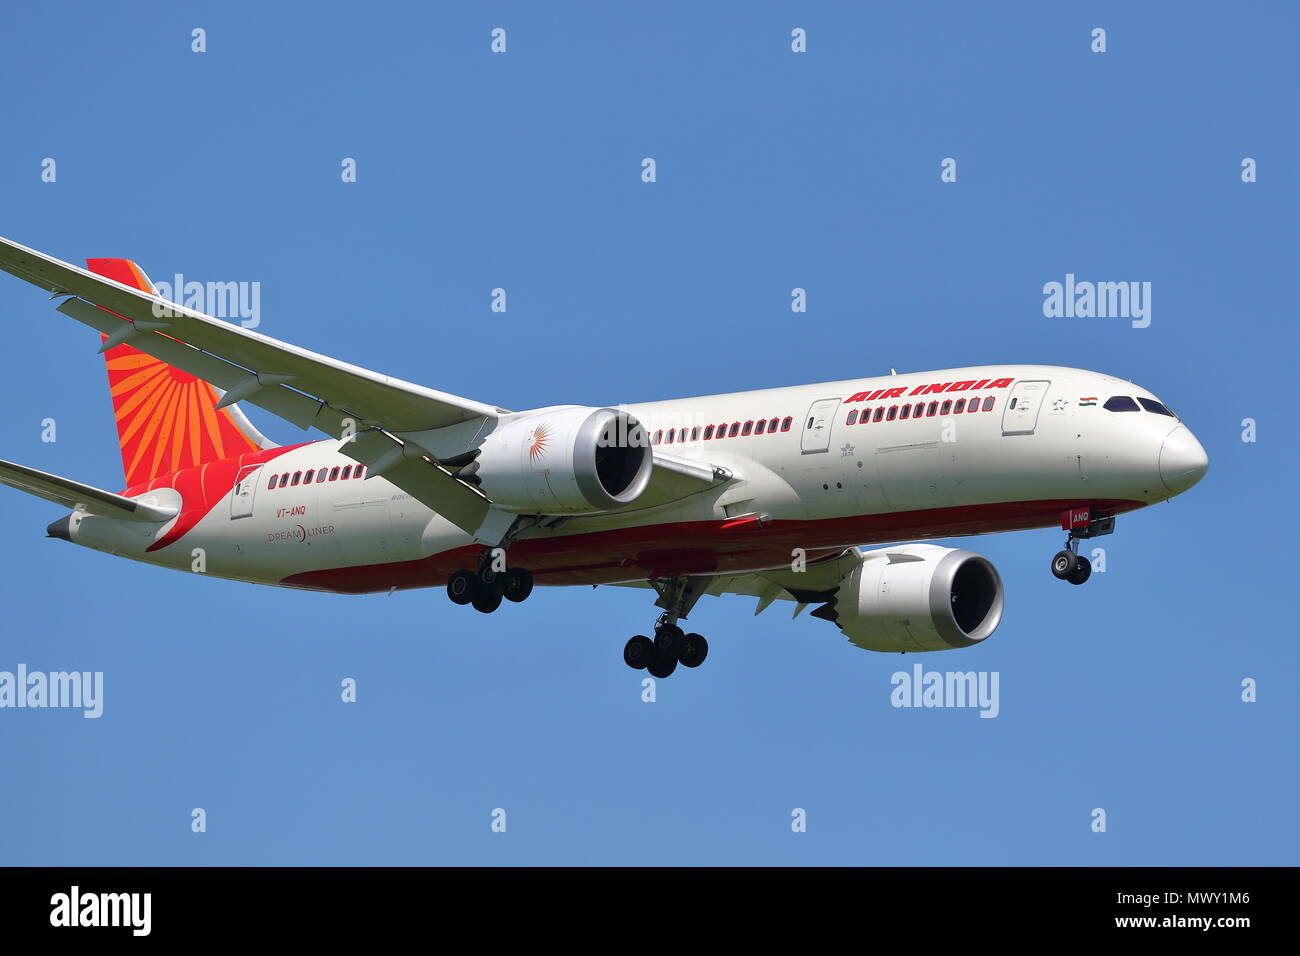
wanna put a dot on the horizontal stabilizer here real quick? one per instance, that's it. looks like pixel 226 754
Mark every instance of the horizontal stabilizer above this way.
pixel 75 495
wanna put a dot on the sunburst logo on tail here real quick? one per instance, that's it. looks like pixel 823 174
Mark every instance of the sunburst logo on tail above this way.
pixel 541 436
pixel 167 419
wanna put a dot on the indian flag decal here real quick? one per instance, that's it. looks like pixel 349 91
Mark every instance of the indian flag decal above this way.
pixel 1088 401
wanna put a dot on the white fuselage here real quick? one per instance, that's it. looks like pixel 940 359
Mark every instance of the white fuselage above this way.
pixel 1047 443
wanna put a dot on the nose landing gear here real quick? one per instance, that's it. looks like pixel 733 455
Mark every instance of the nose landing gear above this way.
pixel 1067 565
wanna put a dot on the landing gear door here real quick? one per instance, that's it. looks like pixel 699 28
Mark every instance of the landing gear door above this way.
pixel 1020 416
pixel 817 425
pixel 241 498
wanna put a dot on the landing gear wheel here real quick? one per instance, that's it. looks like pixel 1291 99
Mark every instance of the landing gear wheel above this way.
pixel 518 584
pixel 692 650
pixel 487 600
pixel 491 580
pixel 661 665
pixel 1082 571
pixel 668 638
pixel 638 652
pixel 461 587
pixel 1063 564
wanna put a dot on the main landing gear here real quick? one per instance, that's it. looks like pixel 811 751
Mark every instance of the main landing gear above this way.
pixel 671 645
pixel 1067 565
pixel 669 648
pixel 486 588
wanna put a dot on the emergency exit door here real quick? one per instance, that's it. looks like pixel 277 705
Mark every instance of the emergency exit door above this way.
pixel 1020 416
pixel 817 425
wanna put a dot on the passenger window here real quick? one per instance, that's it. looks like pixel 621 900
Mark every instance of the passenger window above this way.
pixel 659 436
pixel 284 479
pixel 1151 405
pixel 851 420
pixel 880 413
pixel 347 470
pixel 974 405
pixel 907 410
pixel 945 408
pixel 893 412
pixel 1013 405
pixel 306 479
pixel 708 432
pixel 749 427
pixel 672 432
pixel 785 425
pixel 988 404
pixel 356 472
pixel 771 426
pixel 1120 403
pixel 320 476
pixel 959 407
pixel 934 407
pixel 761 426
pixel 334 474
pixel 735 430
pixel 695 433
pixel 271 484
pixel 297 477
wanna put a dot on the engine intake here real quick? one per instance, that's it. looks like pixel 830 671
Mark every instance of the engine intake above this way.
pixel 568 459
pixel 918 597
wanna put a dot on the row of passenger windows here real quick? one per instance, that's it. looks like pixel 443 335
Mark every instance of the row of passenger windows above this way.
pixel 919 410
pixel 1123 403
pixel 325 474
pixel 763 426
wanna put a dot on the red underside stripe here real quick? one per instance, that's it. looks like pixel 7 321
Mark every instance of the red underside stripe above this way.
pixel 670 550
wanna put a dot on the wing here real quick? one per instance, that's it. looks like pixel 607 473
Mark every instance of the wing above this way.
pixel 397 429
pixel 75 495
pixel 676 478
pixel 815 584
pixel 303 387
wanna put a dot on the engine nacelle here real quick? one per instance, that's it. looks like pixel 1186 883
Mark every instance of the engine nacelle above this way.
pixel 919 597
pixel 569 459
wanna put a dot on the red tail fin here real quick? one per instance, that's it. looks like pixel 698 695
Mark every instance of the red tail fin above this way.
pixel 166 419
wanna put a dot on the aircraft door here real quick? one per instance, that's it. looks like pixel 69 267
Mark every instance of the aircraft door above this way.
pixel 241 498
pixel 1020 417
pixel 817 425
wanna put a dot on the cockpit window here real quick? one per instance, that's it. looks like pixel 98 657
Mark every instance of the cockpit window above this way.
pixel 1120 403
pixel 1151 405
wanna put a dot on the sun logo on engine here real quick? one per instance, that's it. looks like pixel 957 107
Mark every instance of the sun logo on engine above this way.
pixel 541 435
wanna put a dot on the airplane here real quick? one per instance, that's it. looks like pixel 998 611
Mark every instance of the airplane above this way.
pixel 769 493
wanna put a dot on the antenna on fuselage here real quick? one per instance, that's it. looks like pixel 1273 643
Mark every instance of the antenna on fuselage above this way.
pixel 893 371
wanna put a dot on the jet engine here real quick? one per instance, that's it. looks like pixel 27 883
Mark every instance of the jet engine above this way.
pixel 568 459
pixel 917 597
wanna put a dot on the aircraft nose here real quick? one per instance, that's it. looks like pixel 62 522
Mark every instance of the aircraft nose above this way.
pixel 1183 461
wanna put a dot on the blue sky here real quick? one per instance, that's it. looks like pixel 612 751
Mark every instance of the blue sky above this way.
pixel 775 170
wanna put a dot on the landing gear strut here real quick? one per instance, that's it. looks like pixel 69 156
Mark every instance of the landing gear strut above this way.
pixel 1067 565
pixel 486 588
pixel 671 645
